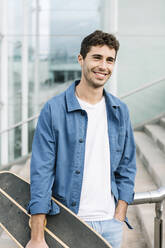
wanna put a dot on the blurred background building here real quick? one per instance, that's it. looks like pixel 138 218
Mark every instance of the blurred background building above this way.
pixel 39 44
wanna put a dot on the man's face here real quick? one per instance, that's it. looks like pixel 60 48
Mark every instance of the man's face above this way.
pixel 98 65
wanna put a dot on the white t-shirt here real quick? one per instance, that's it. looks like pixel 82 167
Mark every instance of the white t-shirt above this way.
pixel 96 202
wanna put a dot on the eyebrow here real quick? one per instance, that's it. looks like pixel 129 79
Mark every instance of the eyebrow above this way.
pixel 99 55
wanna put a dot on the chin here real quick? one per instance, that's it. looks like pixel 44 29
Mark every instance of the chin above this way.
pixel 98 85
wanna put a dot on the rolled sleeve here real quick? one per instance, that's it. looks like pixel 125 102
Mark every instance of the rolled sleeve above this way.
pixel 43 206
pixel 126 171
pixel 42 174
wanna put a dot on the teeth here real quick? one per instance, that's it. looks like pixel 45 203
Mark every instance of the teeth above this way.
pixel 100 74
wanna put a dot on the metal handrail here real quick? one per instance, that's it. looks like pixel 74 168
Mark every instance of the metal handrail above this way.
pixel 157 197
pixel 150 196
pixel 21 123
pixel 121 97
pixel 141 88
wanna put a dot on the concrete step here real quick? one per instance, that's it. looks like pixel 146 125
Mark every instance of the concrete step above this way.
pixel 22 170
pixel 16 169
pixel 162 122
pixel 7 244
pixel 157 133
pixel 6 241
pixel 146 212
pixel 25 171
pixel 133 238
pixel 142 234
pixel 151 156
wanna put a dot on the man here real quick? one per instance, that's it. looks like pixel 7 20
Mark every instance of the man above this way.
pixel 83 149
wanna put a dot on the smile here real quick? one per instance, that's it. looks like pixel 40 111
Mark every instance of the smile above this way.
pixel 100 74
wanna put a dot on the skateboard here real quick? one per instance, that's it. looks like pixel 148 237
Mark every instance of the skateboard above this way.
pixel 64 230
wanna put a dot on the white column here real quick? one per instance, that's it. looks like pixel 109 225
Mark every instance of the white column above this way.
pixel 24 135
pixel 109 23
pixel 36 66
pixel 4 82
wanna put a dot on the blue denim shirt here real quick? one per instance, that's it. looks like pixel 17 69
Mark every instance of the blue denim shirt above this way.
pixel 58 152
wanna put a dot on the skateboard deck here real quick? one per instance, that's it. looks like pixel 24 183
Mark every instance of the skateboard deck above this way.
pixel 62 230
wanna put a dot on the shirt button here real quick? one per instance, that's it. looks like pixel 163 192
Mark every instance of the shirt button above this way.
pixel 73 204
pixel 81 140
pixel 82 113
pixel 77 172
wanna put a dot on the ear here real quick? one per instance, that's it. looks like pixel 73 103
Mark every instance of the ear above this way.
pixel 80 59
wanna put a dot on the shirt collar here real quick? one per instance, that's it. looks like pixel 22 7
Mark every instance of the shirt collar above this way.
pixel 71 99
pixel 73 104
pixel 111 100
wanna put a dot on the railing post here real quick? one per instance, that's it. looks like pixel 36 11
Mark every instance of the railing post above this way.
pixel 158 226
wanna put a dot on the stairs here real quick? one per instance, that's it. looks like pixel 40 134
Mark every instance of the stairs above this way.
pixel 6 241
pixel 150 144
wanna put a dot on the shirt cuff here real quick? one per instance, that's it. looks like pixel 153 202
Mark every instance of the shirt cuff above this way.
pixel 43 207
pixel 126 197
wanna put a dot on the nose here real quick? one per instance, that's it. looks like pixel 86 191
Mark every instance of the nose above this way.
pixel 103 64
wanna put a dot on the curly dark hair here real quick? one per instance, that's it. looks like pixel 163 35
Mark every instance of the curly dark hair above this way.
pixel 98 38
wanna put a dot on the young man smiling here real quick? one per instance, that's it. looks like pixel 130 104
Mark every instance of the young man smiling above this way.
pixel 83 149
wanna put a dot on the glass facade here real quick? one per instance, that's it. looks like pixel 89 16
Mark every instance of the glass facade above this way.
pixel 43 41
pixel 39 46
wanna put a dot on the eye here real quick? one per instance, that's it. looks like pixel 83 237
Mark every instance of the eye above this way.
pixel 110 60
pixel 96 57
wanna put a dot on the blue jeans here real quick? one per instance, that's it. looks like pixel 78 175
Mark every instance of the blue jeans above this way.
pixel 111 230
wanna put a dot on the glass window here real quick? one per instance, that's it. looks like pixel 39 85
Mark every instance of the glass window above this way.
pixel 64 49
pixel 74 22
pixel 53 47
pixel 15 94
pixel 14 78
pixel 15 17
pixel 70 5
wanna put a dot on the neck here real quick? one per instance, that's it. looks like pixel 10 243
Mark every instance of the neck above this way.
pixel 89 94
